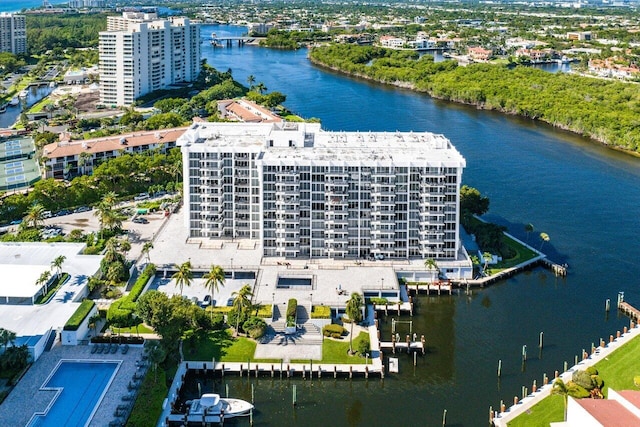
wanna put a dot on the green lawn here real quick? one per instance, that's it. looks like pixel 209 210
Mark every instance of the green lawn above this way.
pixel 334 351
pixel 222 345
pixel 148 406
pixel 617 371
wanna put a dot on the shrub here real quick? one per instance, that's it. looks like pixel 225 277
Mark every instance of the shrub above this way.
pixel 120 339
pixel 364 345
pixel 582 379
pixel 597 381
pixel 121 311
pixel 591 370
pixel 255 327
pixel 321 312
pixel 333 331
pixel 265 311
pixel 577 391
pixel 379 301
pixel 291 312
pixel 80 314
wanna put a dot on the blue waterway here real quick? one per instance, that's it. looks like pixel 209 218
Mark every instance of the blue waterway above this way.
pixel 17 6
pixel 83 385
pixel 586 197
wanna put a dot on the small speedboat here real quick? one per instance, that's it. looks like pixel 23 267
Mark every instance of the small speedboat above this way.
pixel 14 101
pixel 214 405
pixel 23 94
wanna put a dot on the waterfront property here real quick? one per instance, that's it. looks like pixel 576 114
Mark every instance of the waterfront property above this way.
pixel 301 192
pixel 140 53
pixel 67 158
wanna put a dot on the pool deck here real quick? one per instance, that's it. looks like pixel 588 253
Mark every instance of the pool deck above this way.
pixel 27 398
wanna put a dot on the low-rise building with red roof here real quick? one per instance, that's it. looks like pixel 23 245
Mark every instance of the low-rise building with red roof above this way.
pixel 67 158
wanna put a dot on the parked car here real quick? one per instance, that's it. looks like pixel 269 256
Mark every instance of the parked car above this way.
pixel 141 196
pixel 47 214
pixel 140 220
pixel 63 212
pixel 82 209
pixel 230 302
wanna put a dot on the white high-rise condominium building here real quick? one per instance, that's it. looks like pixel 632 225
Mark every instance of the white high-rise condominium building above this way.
pixel 304 192
pixel 139 54
pixel 13 33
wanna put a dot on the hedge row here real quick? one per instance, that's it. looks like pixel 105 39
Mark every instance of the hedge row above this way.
pixel 333 331
pixel 121 310
pixel 80 314
pixel 292 306
pixel 321 312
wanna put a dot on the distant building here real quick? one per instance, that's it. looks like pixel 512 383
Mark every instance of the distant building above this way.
pixel 260 28
pixel 580 35
pixel 13 33
pixel 243 110
pixel 139 54
pixel 535 55
pixel 479 54
pixel 303 192
pixel 614 67
pixel 81 76
pixel 80 4
pixel 392 41
pixel 65 159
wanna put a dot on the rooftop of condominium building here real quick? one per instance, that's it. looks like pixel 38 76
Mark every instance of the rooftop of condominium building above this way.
pixel 281 142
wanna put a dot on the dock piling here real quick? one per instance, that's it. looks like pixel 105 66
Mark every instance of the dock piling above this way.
pixel 541 335
pixel 607 305
pixel 499 368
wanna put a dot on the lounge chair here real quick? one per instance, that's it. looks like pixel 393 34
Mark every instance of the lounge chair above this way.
pixel 114 348
pixel 100 348
pixel 94 348
pixel 125 349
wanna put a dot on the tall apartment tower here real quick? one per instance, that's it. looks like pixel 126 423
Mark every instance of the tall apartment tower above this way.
pixel 13 33
pixel 140 54
pixel 303 192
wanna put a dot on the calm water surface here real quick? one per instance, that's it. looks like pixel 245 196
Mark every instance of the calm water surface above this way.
pixel 585 197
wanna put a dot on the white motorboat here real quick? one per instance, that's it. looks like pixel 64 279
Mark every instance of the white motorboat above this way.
pixel 213 404
pixel 14 101
pixel 23 94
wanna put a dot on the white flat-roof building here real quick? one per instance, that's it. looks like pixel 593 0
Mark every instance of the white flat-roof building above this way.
pixel 13 33
pixel 304 192
pixel 139 54
pixel 20 267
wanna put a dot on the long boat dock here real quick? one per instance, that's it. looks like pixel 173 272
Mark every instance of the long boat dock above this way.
pixel 398 307
pixel 402 346
pixel 629 310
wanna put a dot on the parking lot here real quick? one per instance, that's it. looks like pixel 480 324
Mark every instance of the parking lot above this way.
pixel 137 233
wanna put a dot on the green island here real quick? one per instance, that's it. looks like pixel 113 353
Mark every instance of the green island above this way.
pixel 605 111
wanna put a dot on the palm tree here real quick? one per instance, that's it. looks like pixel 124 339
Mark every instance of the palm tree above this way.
pixel 431 264
pixel 108 217
pixel 487 257
pixel 241 303
pixel 43 280
pixel 260 87
pixel 544 237
pixel 354 312
pixel 529 229
pixel 93 322
pixel 251 80
pixel 184 275
pixel 214 278
pixel 57 264
pixel 6 337
pixel 34 217
pixel 559 387
pixel 84 159
pixel 146 248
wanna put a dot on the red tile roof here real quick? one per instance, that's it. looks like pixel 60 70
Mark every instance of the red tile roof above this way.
pixel 111 143
pixel 609 413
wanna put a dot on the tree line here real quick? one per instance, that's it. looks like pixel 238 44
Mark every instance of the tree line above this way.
pixel 606 111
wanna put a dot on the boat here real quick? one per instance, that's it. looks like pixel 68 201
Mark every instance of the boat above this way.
pixel 14 101
pixel 211 404
pixel 23 94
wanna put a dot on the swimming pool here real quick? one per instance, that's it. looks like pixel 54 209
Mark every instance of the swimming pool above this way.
pixel 81 385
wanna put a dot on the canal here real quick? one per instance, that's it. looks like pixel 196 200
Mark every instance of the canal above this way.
pixel 587 198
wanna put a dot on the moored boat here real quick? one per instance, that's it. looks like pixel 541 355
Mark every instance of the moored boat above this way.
pixel 14 101
pixel 23 94
pixel 211 404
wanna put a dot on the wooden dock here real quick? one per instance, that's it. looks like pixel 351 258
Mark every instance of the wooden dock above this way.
pixel 398 307
pixel 432 288
pixel 402 346
pixel 629 310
